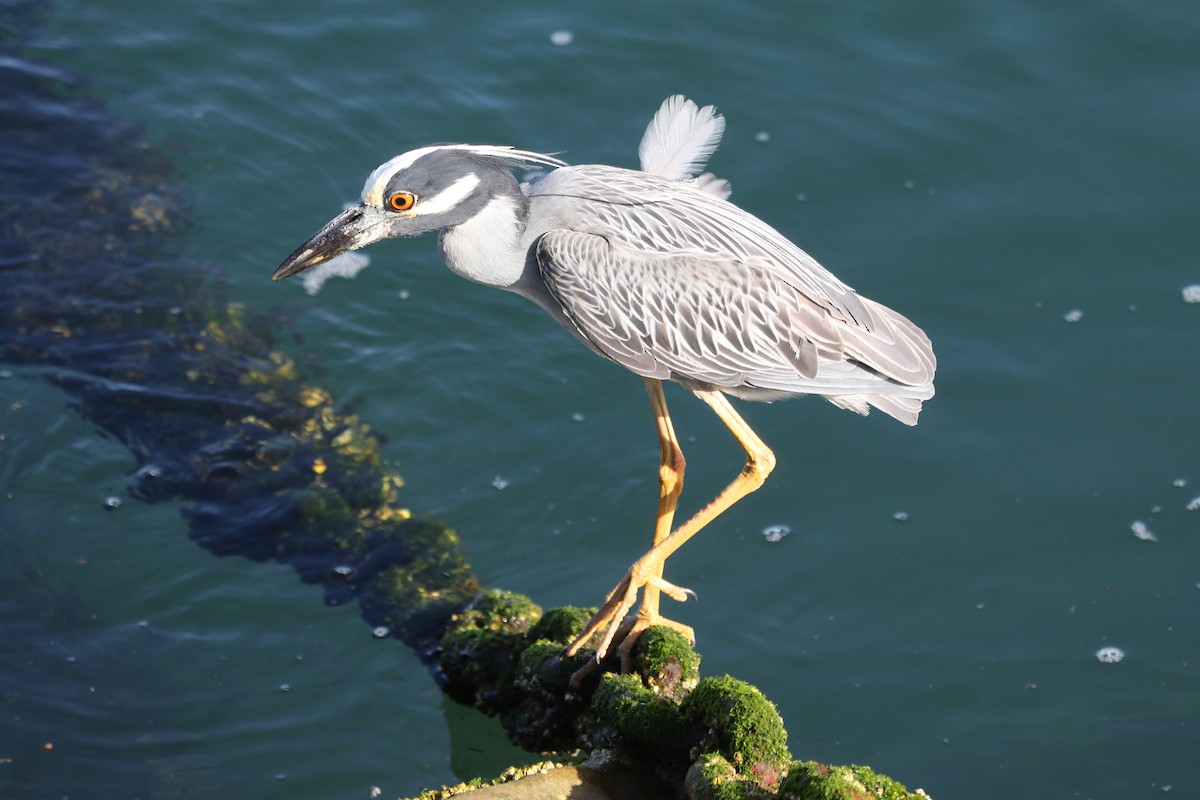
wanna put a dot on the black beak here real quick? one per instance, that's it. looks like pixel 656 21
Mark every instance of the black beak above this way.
pixel 345 232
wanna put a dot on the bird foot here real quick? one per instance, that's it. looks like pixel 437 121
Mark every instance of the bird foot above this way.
pixel 617 626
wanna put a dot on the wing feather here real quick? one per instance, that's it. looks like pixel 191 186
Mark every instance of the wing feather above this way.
pixel 655 218
pixel 672 282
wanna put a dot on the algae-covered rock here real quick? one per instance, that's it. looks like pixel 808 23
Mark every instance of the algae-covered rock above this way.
pixel 481 646
pixel 711 777
pixel 742 725
pixel 562 624
pixel 809 780
pixel 640 714
pixel 666 661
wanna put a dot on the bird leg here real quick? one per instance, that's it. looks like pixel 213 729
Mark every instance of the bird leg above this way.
pixel 646 572
pixel 670 486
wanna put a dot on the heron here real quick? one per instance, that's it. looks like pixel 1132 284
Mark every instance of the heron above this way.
pixel 656 270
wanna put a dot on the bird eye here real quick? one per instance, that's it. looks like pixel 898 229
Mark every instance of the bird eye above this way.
pixel 402 201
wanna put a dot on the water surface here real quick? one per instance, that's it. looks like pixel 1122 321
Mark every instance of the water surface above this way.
pixel 984 168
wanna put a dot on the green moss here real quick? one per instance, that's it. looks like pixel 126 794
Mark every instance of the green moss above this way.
pixel 535 655
pixel 562 624
pixel 641 715
pixel 742 725
pixel 324 504
pixel 481 646
pixel 427 580
pixel 711 777
pixel 497 610
pixel 666 661
pixel 810 780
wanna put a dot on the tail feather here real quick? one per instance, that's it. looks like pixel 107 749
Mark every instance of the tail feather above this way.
pixel 894 346
pixel 904 409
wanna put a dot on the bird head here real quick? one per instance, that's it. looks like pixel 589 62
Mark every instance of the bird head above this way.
pixel 419 191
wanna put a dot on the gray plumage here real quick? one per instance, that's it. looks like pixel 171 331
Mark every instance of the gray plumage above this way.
pixel 657 272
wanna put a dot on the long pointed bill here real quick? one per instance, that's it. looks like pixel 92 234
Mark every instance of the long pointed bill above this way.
pixel 355 227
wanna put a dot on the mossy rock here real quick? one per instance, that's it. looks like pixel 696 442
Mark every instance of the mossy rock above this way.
pixel 562 624
pixel 543 712
pixel 641 715
pixel 711 777
pixel 809 780
pixel 741 725
pixel 666 662
pixel 500 611
pixel 481 648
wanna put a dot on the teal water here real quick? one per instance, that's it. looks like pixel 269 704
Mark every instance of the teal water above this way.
pixel 985 168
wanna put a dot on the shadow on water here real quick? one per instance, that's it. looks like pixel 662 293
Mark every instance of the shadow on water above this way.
pixel 195 388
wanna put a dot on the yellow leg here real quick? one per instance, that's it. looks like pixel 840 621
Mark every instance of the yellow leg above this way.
pixel 670 478
pixel 646 572
pixel 670 486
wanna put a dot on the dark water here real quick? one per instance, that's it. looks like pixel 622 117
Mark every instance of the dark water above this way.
pixel 986 168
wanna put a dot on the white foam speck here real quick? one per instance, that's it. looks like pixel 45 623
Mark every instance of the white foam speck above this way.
pixel 1191 294
pixel 762 136
pixel 347 265
pixel 1074 315
pixel 1193 504
pixel 562 38
pixel 1110 655
pixel 775 533
pixel 1142 532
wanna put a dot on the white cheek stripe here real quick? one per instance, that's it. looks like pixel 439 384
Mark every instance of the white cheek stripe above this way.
pixel 448 198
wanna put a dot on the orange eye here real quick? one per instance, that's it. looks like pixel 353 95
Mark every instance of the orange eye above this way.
pixel 402 201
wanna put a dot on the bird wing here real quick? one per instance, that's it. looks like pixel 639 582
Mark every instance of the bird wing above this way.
pixel 696 239
pixel 682 317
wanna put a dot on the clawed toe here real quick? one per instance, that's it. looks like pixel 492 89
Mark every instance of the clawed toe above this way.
pixel 621 628
pixel 677 593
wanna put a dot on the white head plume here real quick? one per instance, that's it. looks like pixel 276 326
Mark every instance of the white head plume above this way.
pixel 680 138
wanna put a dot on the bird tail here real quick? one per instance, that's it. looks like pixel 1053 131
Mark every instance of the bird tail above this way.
pixel 904 409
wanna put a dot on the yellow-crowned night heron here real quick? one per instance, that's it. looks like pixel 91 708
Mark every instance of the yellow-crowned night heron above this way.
pixel 656 271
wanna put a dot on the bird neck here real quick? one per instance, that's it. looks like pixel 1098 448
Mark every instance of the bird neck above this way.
pixel 487 248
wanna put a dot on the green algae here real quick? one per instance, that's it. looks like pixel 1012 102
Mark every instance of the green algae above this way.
pixel 712 777
pixel 668 664
pixel 639 714
pixel 810 780
pixel 562 624
pixel 742 725
pixel 482 646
